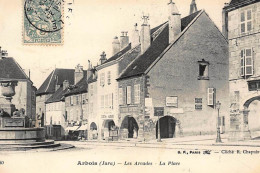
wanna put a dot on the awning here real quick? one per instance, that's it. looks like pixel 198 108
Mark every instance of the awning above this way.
pixel 84 127
pixel 72 128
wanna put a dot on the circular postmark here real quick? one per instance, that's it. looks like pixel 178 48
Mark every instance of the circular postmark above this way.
pixel 44 15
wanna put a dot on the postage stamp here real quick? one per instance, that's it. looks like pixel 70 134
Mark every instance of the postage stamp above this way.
pixel 43 22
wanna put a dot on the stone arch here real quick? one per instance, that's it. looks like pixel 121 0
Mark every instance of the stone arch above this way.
pixel 167 127
pixel 93 126
pixel 129 127
pixel 251 118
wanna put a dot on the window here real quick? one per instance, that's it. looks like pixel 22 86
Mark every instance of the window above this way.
pixel 83 98
pixel 128 95
pixel 110 100
pixel 71 100
pixel 246 62
pixel 106 101
pixel 102 79
pixel 211 96
pixel 203 70
pixel 102 101
pixel 120 96
pixel 76 100
pixel 137 93
pixel 246 21
pixel 108 77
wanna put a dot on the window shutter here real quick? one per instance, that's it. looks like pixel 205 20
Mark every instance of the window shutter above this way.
pixel 248 62
pixel 137 93
pixel 211 92
pixel 242 64
pixel 120 95
pixel 106 101
pixel 108 77
pixel 128 95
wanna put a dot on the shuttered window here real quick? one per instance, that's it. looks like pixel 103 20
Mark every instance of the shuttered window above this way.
pixel 108 77
pixel 128 94
pixel 110 100
pixel 102 79
pixel 211 95
pixel 120 96
pixel 246 67
pixel 137 93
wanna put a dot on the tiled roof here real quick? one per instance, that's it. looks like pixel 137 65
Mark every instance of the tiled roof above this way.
pixel 10 69
pixel 119 54
pixel 57 96
pixel 234 4
pixel 56 77
pixel 80 87
pixel 143 62
pixel 129 47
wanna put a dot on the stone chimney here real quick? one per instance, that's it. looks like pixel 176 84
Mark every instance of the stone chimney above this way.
pixel 124 40
pixel 225 21
pixel 90 70
pixel 65 84
pixel 78 74
pixel 115 45
pixel 135 37
pixel 145 36
pixel 193 7
pixel 174 21
pixel 102 58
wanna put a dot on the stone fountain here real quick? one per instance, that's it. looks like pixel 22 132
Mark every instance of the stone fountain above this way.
pixel 16 131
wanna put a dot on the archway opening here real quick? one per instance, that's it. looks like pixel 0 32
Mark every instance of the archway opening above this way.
pixel 129 127
pixel 167 127
pixel 93 126
pixel 108 124
pixel 254 119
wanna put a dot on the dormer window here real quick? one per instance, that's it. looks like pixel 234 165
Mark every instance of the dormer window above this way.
pixel 203 70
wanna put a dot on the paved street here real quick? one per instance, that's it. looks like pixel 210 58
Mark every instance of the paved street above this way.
pixel 134 157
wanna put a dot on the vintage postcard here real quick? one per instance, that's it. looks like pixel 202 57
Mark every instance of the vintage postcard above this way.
pixel 130 86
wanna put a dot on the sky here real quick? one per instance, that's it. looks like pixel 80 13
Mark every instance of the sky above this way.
pixel 90 30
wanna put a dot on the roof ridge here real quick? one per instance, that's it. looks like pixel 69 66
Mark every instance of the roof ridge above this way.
pixel 50 80
pixel 21 69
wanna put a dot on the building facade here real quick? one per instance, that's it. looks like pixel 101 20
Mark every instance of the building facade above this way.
pixel 25 91
pixel 176 81
pixel 241 25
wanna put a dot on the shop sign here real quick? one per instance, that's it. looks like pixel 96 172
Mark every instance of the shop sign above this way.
pixel 158 111
pixel 172 101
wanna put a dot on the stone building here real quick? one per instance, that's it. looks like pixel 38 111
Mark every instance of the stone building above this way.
pixel 56 118
pixel 25 91
pixel 178 77
pixel 108 71
pixel 51 84
pixel 241 25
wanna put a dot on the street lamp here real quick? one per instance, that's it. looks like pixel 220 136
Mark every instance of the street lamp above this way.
pixel 218 140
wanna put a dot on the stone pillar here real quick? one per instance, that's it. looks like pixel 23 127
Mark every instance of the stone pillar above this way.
pixel 244 125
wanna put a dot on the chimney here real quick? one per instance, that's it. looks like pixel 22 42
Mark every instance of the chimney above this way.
pixel 225 21
pixel 78 74
pixel 90 70
pixel 115 45
pixel 174 21
pixel 102 58
pixel 135 37
pixel 124 40
pixel 145 36
pixel 65 84
pixel 193 7
pixel 27 72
